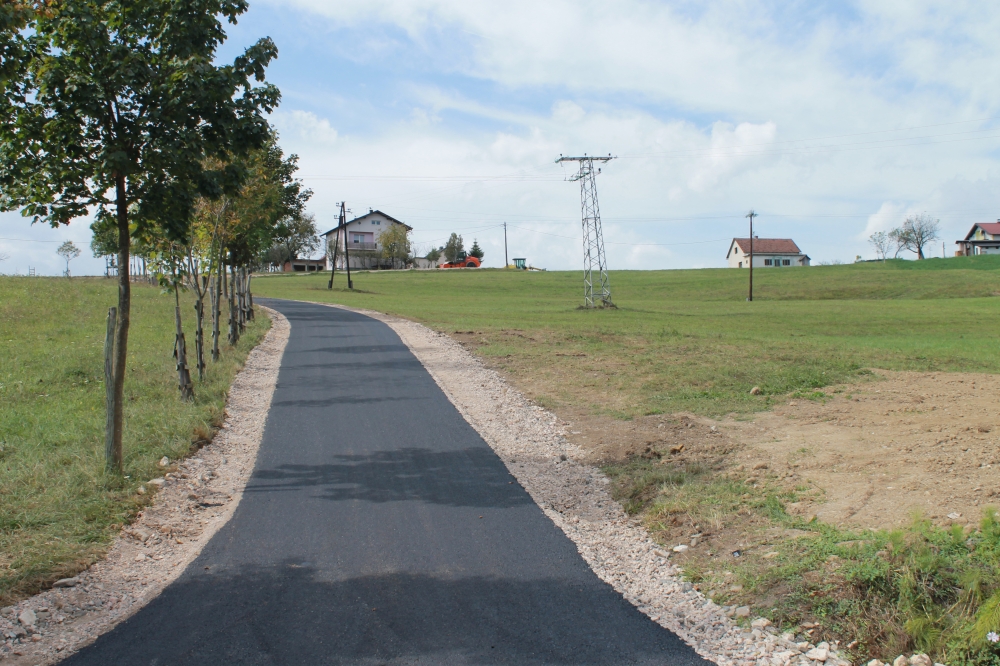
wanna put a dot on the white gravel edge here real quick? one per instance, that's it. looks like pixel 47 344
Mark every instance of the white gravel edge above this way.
pixel 167 536
pixel 532 444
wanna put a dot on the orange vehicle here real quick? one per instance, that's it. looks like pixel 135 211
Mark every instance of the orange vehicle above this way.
pixel 463 261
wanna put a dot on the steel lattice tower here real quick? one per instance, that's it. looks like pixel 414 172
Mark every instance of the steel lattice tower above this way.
pixel 593 237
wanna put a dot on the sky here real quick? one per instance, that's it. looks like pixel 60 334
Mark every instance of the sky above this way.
pixel 832 120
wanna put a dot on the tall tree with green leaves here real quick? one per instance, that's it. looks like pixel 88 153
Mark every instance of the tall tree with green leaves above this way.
pixel 115 106
pixel 476 251
pixel 454 247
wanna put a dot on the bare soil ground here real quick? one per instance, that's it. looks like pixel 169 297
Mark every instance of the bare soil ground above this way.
pixel 878 453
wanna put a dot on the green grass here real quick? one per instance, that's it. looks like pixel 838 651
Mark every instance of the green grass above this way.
pixel 687 340
pixel 59 510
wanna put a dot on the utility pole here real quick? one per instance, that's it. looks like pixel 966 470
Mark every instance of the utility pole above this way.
pixel 347 242
pixel 593 237
pixel 751 215
pixel 507 263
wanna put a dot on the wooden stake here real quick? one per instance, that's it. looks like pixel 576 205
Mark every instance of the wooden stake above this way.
pixel 109 389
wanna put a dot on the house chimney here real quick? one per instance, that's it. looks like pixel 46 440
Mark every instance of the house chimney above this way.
pixel 370 210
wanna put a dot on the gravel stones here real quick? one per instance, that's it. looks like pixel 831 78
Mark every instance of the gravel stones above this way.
pixel 27 618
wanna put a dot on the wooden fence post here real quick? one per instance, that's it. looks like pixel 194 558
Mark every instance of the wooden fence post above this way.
pixel 109 391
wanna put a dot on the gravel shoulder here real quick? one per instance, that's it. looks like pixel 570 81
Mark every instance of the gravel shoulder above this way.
pixel 533 444
pixel 194 498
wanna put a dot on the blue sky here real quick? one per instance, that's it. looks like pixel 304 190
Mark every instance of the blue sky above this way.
pixel 832 120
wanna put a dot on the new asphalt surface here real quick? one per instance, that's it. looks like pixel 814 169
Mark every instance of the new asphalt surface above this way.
pixel 379 528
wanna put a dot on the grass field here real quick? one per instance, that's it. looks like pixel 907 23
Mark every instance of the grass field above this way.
pixel 687 341
pixel 58 509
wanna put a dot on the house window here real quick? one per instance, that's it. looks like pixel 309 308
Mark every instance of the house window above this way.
pixel 767 262
pixel 741 264
pixel 359 238
pixel 786 262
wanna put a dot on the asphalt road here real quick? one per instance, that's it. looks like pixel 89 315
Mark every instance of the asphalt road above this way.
pixel 379 528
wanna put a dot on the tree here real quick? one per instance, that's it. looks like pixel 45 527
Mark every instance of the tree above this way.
pixel 453 247
pixel 434 254
pixel 114 107
pixel 476 251
pixel 917 231
pixel 68 251
pixel 395 244
pixel 295 236
pixel 883 244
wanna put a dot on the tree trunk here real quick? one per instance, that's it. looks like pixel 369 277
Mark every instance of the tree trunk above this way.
pixel 124 319
pixel 180 350
pixel 217 309
pixel 199 333
pixel 250 314
pixel 234 329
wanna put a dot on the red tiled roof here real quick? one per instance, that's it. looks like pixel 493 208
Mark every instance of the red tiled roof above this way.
pixel 988 227
pixel 768 245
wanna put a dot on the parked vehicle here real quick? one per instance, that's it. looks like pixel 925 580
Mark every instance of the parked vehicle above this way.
pixel 463 261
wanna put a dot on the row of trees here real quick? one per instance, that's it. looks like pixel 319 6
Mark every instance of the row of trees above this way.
pixel 917 232
pixel 454 248
pixel 121 110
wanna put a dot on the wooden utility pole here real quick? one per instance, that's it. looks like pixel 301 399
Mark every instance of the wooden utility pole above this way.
pixel 751 215
pixel 505 262
pixel 333 262
pixel 347 242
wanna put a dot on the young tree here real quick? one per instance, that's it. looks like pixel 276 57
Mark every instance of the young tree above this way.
pixel 68 251
pixel 395 244
pixel 453 247
pixel 882 243
pixel 917 232
pixel 434 254
pixel 114 107
pixel 476 251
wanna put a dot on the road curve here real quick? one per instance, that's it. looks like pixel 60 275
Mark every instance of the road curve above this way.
pixel 379 528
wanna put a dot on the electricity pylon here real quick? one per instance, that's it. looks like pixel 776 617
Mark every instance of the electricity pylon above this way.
pixel 593 237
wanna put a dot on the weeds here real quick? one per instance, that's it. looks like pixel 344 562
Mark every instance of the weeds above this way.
pixel 924 588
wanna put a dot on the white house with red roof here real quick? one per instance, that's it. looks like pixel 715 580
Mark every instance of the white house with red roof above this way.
pixel 767 253
pixel 983 238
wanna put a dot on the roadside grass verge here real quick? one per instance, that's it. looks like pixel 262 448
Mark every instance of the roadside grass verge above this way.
pixel 59 510
pixel 922 588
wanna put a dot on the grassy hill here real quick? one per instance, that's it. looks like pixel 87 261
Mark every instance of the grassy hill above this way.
pixel 687 340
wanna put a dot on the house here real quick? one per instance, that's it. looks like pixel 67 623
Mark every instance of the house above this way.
pixel 362 236
pixel 767 252
pixel 983 238
pixel 304 265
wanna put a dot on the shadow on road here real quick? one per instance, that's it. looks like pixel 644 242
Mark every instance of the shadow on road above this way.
pixel 291 615
pixel 465 477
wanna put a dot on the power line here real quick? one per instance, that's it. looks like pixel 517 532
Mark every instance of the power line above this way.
pixel 29 240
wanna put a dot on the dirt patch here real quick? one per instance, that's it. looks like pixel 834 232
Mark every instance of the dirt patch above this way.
pixel 880 451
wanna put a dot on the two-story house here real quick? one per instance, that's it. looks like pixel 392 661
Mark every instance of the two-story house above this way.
pixel 362 237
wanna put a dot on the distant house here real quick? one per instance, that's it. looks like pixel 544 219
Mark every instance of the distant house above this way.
pixel 303 265
pixel 361 235
pixel 767 253
pixel 983 238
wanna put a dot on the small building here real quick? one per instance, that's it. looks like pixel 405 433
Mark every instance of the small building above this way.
pixel 767 253
pixel 983 238
pixel 304 265
pixel 362 236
